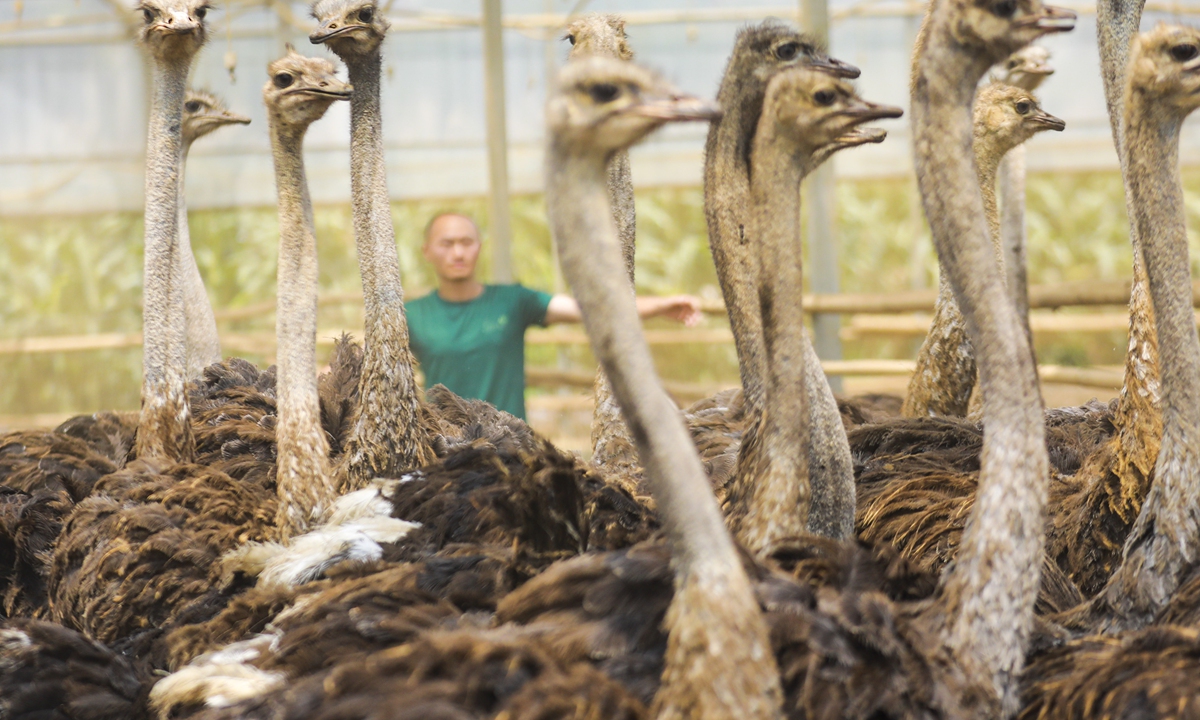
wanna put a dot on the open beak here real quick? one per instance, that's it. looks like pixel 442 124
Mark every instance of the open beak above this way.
pixel 836 67
pixel 868 111
pixel 335 93
pixel 1053 19
pixel 1051 122
pixel 862 136
pixel 328 31
pixel 677 108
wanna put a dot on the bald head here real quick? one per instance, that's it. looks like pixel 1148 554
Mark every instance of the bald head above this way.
pixel 452 246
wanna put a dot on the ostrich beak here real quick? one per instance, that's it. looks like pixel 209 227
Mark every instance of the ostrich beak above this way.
pixel 329 30
pixel 836 67
pixel 1051 122
pixel 677 108
pixel 862 136
pixel 1053 19
pixel 228 117
pixel 868 111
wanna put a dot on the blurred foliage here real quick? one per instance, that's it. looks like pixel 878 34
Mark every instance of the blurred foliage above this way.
pixel 82 275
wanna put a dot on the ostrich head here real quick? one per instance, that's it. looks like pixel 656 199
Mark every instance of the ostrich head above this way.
pixel 597 34
pixel 173 29
pixel 204 112
pixel 823 113
pixel 997 28
pixel 1165 69
pixel 301 89
pixel 1027 67
pixel 605 104
pixel 771 46
pixel 351 28
pixel 1006 116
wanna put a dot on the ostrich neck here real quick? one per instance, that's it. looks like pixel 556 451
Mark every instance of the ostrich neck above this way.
pixel 726 193
pixel 302 472
pixel 385 439
pixel 989 593
pixel 742 680
pixel 164 430
pixel 1139 413
pixel 772 484
pixel 612 446
pixel 1012 225
pixel 203 343
pixel 1165 539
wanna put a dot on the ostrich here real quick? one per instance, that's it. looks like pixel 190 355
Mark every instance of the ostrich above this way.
pixel 757 51
pixel 1142 667
pixel 600 106
pixel 988 616
pixel 806 116
pixel 387 437
pixel 203 113
pixel 612 447
pixel 172 33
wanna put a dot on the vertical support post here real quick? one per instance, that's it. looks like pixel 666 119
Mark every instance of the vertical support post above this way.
pixel 499 210
pixel 821 204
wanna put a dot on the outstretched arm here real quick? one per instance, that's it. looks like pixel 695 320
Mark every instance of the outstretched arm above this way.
pixel 681 308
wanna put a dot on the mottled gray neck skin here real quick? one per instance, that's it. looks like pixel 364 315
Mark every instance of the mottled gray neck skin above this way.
pixel 1139 411
pixel 386 439
pixel 726 198
pixel 1165 540
pixel 719 662
pixel 771 488
pixel 612 445
pixel 164 428
pixel 203 342
pixel 988 594
pixel 302 475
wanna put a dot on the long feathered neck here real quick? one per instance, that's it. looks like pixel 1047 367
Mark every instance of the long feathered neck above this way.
pixel 304 483
pixel 164 429
pixel 719 662
pixel 1165 540
pixel 772 481
pixel 203 342
pixel 1139 413
pixel 386 438
pixel 726 192
pixel 988 595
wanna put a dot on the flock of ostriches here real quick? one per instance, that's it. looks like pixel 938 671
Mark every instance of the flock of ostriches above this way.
pixel 274 544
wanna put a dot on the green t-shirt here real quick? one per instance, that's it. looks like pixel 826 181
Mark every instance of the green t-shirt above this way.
pixel 477 348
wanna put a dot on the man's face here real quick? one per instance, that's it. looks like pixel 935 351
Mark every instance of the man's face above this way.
pixel 452 247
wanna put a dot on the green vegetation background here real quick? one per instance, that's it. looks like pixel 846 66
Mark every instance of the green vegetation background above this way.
pixel 81 275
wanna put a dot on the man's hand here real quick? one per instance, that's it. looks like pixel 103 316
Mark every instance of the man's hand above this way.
pixel 681 308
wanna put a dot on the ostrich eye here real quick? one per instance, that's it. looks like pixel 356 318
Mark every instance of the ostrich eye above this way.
pixel 1005 8
pixel 201 12
pixel 788 51
pixel 1013 64
pixel 148 15
pixel 824 97
pixel 1183 53
pixel 604 92
pixel 366 14
pixel 571 39
pixel 192 106
pixel 283 80
pixel 1023 107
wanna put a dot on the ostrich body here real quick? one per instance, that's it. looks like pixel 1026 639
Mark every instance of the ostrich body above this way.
pixel 987 616
pixel 173 33
pixel 387 437
pixel 612 447
pixel 600 106
pixel 806 116
pixel 757 53
pixel 203 113
pixel 300 91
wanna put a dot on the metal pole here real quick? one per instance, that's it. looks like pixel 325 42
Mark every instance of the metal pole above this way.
pixel 497 139
pixel 821 204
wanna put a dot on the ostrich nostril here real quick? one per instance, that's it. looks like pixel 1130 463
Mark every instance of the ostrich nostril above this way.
pixel 324 84
pixel 333 26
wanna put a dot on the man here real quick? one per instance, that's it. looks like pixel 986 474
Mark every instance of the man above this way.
pixel 470 336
